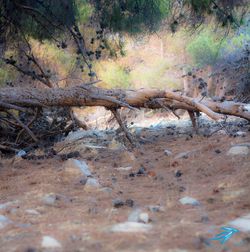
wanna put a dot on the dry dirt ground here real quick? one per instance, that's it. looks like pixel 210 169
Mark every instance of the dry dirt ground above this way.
pixel 80 219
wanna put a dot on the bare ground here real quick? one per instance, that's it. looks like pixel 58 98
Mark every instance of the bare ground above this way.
pixel 80 219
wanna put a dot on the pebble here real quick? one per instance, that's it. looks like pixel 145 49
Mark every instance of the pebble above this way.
pixel 242 223
pixel 144 217
pixel 117 203
pixel 131 227
pixel 184 155
pixel 238 150
pixel 168 153
pixel 32 212
pixel 156 209
pixel 4 221
pixel 189 201
pixel 128 168
pixel 50 199
pixel 240 133
pixel 8 204
pixel 92 182
pixel 21 153
pixel 77 167
pixel 50 242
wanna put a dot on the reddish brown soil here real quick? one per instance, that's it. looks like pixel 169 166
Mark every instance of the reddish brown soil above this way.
pixel 80 219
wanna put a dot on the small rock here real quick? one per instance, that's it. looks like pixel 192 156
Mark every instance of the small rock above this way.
pixel 92 182
pixel 4 221
pixel 238 150
pixel 50 199
pixel 21 153
pixel 189 201
pixel 32 212
pixel 178 173
pixel 106 190
pixel 77 167
pixel 134 216
pixel 217 151
pixel 128 168
pixel 131 227
pixel 156 209
pixel 167 153
pixel 118 203
pixel 129 203
pixel 185 155
pixel 8 204
pixel 50 242
pixel 240 133
pixel 144 218
pixel 242 223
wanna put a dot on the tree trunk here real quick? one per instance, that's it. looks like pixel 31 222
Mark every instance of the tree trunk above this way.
pixel 88 95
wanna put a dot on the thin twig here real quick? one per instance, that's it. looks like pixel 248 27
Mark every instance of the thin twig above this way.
pixel 30 133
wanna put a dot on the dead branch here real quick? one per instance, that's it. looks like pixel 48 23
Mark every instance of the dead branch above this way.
pixel 115 98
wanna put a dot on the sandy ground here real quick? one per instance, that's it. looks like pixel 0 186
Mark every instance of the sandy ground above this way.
pixel 80 218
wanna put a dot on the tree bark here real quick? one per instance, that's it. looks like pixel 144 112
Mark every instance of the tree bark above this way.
pixel 88 95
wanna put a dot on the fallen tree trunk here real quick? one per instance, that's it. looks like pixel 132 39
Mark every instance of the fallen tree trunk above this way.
pixel 88 95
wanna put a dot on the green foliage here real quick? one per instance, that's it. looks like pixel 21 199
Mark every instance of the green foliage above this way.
pixel 114 75
pixel 39 19
pixel 6 75
pixel 204 48
pixel 200 6
pixel 132 16
pixel 84 11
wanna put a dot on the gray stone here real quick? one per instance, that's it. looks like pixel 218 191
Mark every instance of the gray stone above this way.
pixel 144 218
pixel 168 153
pixel 50 242
pixel 92 182
pixel 8 204
pixel 185 155
pixel 238 150
pixel 32 212
pixel 77 167
pixel 118 203
pixel 242 223
pixel 134 216
pixel 156 209
pixel 128 168
pixel 189 201
pixel 241 133
pixel 131 227
pixel 50 199
pixel 4 221
pixel 21 153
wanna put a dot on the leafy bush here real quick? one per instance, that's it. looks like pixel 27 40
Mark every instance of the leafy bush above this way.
pixel 113 75
pixel 204 48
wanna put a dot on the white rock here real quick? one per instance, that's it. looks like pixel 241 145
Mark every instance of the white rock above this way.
pixel 131 227
pixel 134 216
pixel 238 150
pixel 50 242
pixel 8 204
pixel 168 152
pixel 92 182
pixel 156 208
pixel 32 212
pixel 143 217
pixel 49 199
pixel 128 168
pixel 241 133
pixel 189 201
pixel 4 221
pixel 186 154
pixel 242 223
pixel 77 167
pixel 21 153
